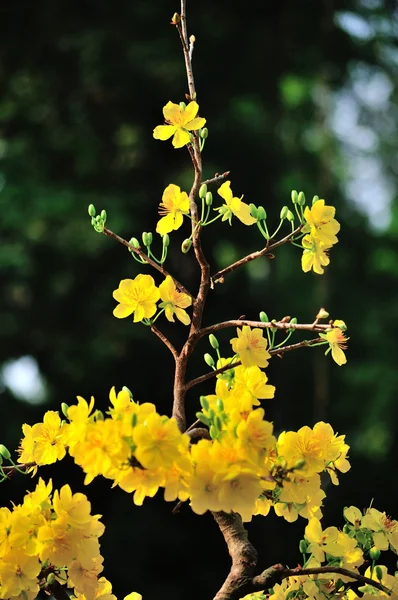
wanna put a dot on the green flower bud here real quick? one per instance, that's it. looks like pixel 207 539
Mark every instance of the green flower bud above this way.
pixel 91 210
pixel 99 415
pixel 213 432
pixel 220 405
pixel 4 452
pixel 261 213
pixel 315 199
pixel 303 547
pixel 209 198
pixel 93 221
pixel 292 321
pixel 322 314
pixel 64 408
pixel 299 464
pixel 150 238
pixel 290 216
pixel 204 403
pixel 264 317
pixel 213 341
pixel 294 196
pixel 175 19
pixel 346 528
pixel 134 242
pixel 147 238
pixel 209 360
pixel 166 240
pixel 379 572
pixel 186 245
pixel 103 215
pixel 202 418
pixel 203 191
pixel 1 462
pixel 218 423
pixel 183 106
pixel 284 212
pixel 374 553
pixel 204 133
pixel 301 199
pixel 134 420
pixel 253 210
pixel 50 579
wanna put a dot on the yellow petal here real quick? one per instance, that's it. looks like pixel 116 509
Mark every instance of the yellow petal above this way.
pixel 165 224
pixel 244 215
pixel 182 316
pixel 172 113
pixel 338 356
pixel 139 313
pixel 123 310
pixel 190 112
pixel 197 123
pixel 164 132
pixel 181 138
pixel 167 289
pixel 225 191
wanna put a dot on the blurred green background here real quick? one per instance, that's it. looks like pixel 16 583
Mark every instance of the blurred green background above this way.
pixel 297 95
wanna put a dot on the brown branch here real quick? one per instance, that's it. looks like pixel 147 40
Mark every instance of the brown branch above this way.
pixel 165 341
pixel 211 374
pixel 219 276
pixel 267 325
pixel 242 552
pixel 217 178
pixel 148 260
pixel 276 574
pixel 9 471
pixel 303 344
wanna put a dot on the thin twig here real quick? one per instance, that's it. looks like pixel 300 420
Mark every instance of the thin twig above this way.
pixel 211 374
pixel 10 470
pixel 145 257
pixel 259 324
pixel 219 276
pixel 217 178
pixel 165 341
pixel 303 344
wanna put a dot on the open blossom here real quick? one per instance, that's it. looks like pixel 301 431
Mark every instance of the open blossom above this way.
pixel 174 301
pixel 314 255
pixel 251 347
pixel 385 529
pixel 138 296
pixel 43 443
pixel 233 206
pixel 180 121
pixel 337 343
pixel 174 205
pixel 321 223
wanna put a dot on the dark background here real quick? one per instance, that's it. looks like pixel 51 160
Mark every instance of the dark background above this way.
pixel 297 94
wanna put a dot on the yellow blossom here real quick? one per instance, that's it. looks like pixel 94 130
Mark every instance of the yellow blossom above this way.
pixel 174 205
pixel 321 223
pixel 322 541
pixel 337 342
pixel 43 443
pixel 302 445
pixel 385 529
pixel 314 255
pixel 142 482
pixel 174 301
pixel 138 296
pixel 103 591
pixel 234 206
pixel 180 121
pixel 251 347
pixel 159 442
pixel 133 596
pixel 251 384
pixel 18 573
pixel 74 508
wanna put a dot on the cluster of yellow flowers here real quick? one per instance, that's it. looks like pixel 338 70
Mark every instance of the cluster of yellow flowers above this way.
pixel 242 467
pixel 320 229
pixel 51 536
pixel 140 295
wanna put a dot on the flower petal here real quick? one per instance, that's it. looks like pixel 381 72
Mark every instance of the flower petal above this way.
pixel 197 123
pixel 181 138
pixel 123 310
pixel 164 132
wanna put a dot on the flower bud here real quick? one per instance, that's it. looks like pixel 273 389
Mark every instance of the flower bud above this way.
pixel 315 199
pixel 379 572
pixel 50 579
pixel 203 191
pixel 220 404
pixel 186 245
pixel 213 341
pixel 209 360
pixel 292 321
pixel 253 210
pixel 204 403
pixel 322 314
pixel 134 420
pixel 290 216
pixel 299 464
pixel 147 238
pixel 209 198
pixel 263 317
pixel 294 196
pixel 346 528
pixel 303 547
pixel 192 39
pixel 213 432
pixel 4 452
pixel 261 214
pixel 166 240
pixel 183 106
pixel 103 215
pixel 126 389
pixel 175 19
pixel 284 212
pixel 134 242
pixel 64 408
pixel 204 133
pixel 218 423
pixel 301 199
pixel 91 210
pixel 200 416
pixel 340 324
pixel 99 415
pixel 374 553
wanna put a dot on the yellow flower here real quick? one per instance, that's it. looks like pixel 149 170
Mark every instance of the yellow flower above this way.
pixel 174 301
pixel 315 255
pixel 138 296
pixel 233 206
pixel 323 541
pixel 180 122
pixel 159 442
pixel 44 443
pixel 337 342
pixel 18 573
pixel 385 529
pixel 302 445
pixel 251 347
pixel 75 509
pixel 321 223
pixel 174 205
